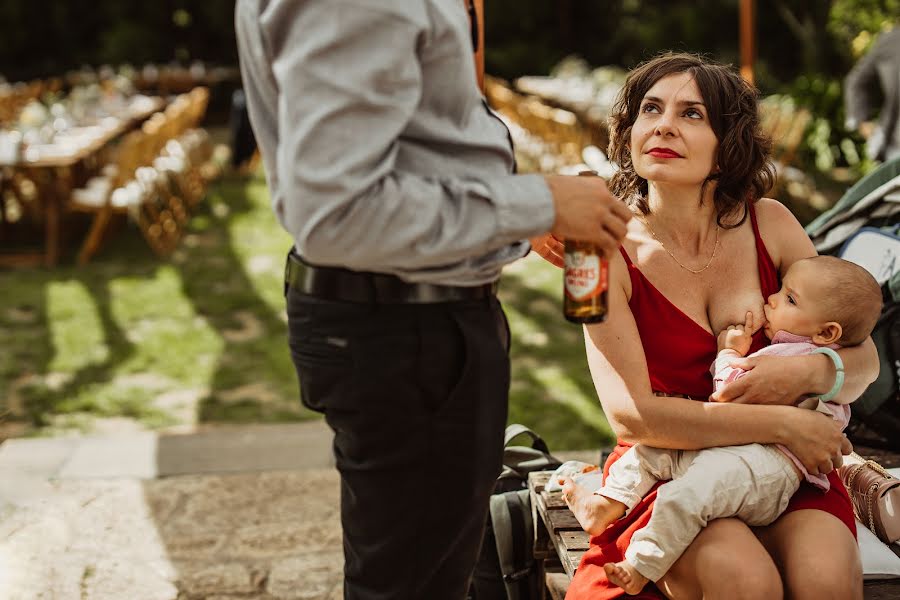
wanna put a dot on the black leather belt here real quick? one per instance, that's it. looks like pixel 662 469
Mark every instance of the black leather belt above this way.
pixel 332 283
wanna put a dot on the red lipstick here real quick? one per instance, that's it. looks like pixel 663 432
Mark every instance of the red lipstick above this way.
pixel 663 153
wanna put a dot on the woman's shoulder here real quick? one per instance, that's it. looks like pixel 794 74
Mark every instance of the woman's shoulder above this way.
pixel 772 213
pixel 781 232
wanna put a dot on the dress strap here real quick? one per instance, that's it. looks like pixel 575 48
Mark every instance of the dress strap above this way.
pixel 752 210
pixel 769 279
pixel 625 255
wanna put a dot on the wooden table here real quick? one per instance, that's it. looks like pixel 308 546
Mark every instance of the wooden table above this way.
pixel 560 542
pixel 56 176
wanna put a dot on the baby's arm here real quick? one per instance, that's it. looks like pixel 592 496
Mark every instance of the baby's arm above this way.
pixel 734 341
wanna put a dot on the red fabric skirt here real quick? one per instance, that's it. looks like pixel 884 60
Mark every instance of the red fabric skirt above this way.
pixel 590 582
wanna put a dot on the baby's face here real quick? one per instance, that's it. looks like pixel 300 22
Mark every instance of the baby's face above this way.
pixel 796 307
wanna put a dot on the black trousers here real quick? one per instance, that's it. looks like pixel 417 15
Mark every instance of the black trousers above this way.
pixel 416 395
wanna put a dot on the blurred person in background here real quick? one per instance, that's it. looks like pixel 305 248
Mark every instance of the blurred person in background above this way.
pixel 398 186
pixel 878 70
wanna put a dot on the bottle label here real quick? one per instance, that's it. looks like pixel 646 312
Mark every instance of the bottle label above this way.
pixel 585 275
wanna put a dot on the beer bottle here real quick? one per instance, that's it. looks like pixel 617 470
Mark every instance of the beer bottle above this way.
pixel 585 281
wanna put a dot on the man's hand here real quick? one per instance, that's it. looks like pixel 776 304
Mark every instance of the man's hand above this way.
pixel 552 249
pixel 587 212
pixel 738 337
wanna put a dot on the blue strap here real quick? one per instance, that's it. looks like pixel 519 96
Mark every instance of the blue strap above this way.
pixel 839 373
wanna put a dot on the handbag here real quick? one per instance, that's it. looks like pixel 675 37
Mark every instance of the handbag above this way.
pixel 875 495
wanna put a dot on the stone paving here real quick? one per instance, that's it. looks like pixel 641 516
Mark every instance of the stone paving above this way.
pixel 86 532
pixel 228 514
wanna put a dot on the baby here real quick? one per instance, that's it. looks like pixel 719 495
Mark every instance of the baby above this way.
pixel 824 303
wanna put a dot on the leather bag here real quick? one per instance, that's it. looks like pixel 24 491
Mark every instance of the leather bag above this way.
pixel 875 495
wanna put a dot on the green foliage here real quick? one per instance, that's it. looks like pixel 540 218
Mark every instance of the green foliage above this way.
pixel 856 23
pixel 42 39
pixel 530 36
pixel 853 25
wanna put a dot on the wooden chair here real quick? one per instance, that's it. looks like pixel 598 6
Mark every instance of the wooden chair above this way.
pixel 199 100
pixel 97 196
pixel 161 216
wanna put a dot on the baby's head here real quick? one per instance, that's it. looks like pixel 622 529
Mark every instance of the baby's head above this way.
pixel 828 299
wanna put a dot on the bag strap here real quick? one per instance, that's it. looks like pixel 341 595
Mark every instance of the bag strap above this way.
pixel 516 429
pixel 511 522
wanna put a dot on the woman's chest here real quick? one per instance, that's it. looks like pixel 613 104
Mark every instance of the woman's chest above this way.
pixel 714 299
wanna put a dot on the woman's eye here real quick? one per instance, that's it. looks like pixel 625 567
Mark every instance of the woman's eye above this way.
pixel 650 108
pixel 693 113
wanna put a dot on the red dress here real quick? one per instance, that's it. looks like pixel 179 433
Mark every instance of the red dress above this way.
pixel 685 372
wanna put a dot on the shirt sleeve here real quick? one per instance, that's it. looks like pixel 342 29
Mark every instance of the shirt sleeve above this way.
pixel 723 373
pixel 350 80
pixel 838 412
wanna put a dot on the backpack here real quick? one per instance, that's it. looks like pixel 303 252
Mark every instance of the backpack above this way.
pixel 864 227
pixel 505 569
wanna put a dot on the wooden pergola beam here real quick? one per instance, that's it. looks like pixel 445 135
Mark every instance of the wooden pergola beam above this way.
pixel 478 6
pixel 748 38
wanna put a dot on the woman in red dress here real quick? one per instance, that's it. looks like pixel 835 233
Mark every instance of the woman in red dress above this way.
pixel 705 248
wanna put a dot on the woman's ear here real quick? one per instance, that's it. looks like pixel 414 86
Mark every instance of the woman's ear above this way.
pixel 828 334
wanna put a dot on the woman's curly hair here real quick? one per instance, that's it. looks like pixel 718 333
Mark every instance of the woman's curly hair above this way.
pixel 745 170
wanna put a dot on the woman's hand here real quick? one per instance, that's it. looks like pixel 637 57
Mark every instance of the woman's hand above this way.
pixel 552 249
pixel 816 440
pixel 769 380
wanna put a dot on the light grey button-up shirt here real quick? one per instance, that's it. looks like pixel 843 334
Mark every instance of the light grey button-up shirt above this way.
pixel 380 152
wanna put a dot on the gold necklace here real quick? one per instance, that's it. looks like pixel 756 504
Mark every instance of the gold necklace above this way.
pixel 669 252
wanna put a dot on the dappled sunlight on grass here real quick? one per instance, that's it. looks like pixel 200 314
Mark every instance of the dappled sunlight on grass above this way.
pixel 201 337
pixel 551 389
pixel 75 329
pixel 198 338
pixel 162 321
pixel 256 237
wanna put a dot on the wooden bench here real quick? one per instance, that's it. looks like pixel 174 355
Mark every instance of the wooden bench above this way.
pixel 560 542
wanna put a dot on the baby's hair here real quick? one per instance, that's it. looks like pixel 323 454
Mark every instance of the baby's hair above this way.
pixel 855 299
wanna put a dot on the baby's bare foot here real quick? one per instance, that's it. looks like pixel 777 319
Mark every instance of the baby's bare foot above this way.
pixel 594 512
pixel 625 576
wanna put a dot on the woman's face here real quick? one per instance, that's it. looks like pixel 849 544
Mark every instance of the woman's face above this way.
pixel 672 140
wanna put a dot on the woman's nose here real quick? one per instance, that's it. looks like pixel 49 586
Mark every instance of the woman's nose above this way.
pixel 664 125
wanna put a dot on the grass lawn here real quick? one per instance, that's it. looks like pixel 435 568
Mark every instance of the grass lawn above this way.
pixel 131 340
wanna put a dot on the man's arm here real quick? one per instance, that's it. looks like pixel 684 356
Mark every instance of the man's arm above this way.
pixel 350 82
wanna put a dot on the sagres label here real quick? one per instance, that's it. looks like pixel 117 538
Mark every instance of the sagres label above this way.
pixel 585 276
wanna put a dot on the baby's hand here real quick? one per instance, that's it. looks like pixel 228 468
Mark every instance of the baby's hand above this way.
pixel 738 337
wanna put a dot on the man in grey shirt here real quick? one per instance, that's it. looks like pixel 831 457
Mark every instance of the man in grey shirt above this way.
pixel 397 184
pixel 879 68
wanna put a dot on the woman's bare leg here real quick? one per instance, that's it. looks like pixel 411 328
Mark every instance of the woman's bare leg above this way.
pixel 725 561
pixel 816 554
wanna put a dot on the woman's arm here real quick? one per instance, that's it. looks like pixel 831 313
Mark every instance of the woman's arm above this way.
pixel 619 370
pixel 785 380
